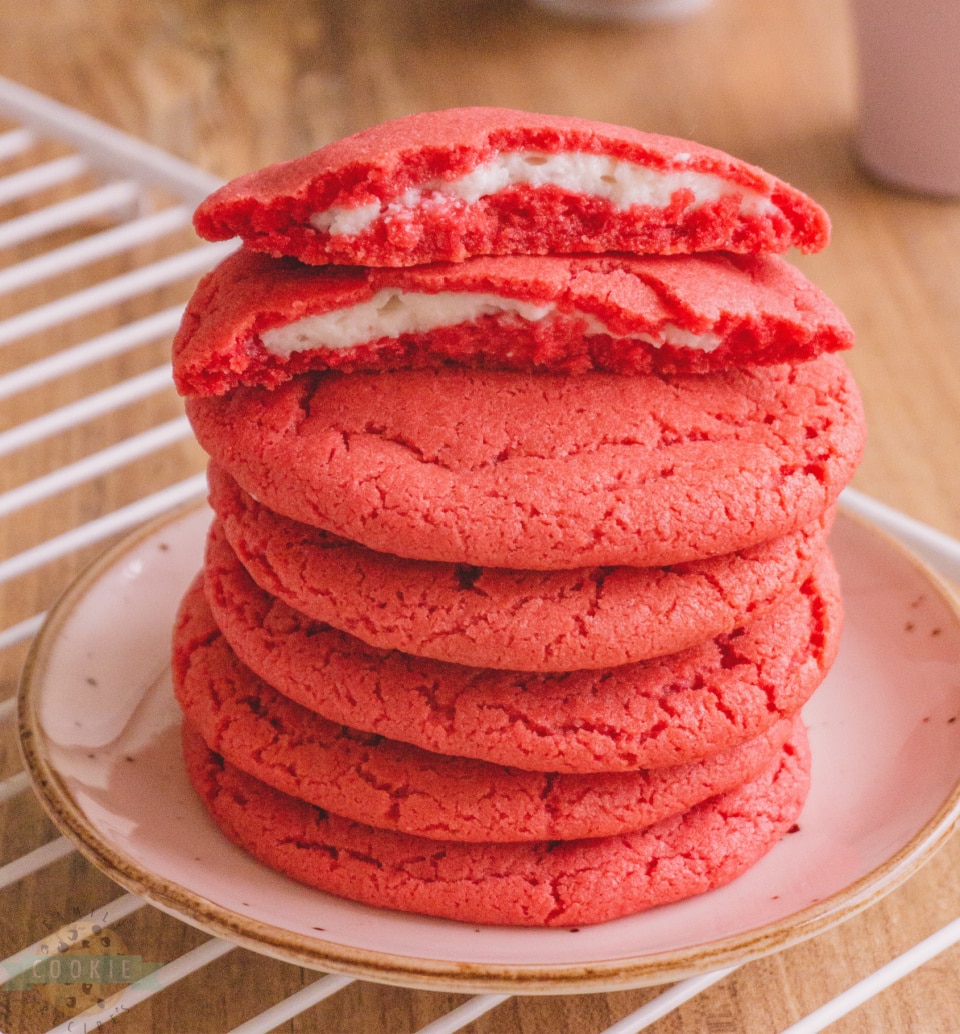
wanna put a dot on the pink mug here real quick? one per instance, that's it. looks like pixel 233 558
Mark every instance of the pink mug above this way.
pixel 909 121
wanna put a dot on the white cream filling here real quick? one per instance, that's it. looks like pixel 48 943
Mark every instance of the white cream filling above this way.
pixel 623 183
pixel 391 313
pixel 346 221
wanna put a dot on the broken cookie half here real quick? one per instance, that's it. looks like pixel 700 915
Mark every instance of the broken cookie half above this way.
pixel 259 321
pixel 445 186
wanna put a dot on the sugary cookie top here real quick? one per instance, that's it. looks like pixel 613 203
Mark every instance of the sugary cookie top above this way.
pixel 445 185
pixel 547 472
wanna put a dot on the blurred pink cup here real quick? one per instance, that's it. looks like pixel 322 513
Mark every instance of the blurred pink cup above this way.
pixel 909 120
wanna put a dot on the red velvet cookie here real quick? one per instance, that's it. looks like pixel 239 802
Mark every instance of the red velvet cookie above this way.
pixel 545 471
pixel 666 711
pixel 543 883
pixel 396 786
pixel 255 320
pixel 442 186
pixel 497 618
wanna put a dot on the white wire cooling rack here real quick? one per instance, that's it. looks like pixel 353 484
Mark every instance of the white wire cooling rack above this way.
pixel 99 258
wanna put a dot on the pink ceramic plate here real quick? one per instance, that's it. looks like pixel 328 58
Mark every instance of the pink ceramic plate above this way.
pixel 99 731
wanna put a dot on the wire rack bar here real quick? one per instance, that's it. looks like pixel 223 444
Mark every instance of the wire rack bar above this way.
pixel 297 1003
pixel 89 249
pixel 667 1001
pixel 458 1018
pixel 95 350
pixel 102 462
pixel 107 147
pixel 14 785
pixel 19 185
pixel 879 980
pixel 102 201
pixel 34 860
pixel 103 527
pixel 118 289
pixel 18 633
pixel 14 142
pixel 86 409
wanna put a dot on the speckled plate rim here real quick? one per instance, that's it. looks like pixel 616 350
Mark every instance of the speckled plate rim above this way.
pixel 408 971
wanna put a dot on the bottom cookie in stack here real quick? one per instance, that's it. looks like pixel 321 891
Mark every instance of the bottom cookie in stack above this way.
pixel 657 780
pixel 538 883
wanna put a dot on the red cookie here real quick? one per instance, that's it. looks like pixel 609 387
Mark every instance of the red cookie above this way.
pixel 497 618
pixel 666 711
pixel 255 320
pixel 544 883
pixel 545 471
pixel 395 786
pixel 442 186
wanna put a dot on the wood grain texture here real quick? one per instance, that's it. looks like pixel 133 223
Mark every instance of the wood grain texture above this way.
pixel 233 84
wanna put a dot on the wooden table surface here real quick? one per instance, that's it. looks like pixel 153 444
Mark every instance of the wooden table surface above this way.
pixel 233 84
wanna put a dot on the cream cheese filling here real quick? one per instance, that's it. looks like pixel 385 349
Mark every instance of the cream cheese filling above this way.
pixel 623 183
pixel 391 313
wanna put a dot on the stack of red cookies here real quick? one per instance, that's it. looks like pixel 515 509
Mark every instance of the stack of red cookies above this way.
pixel 525 447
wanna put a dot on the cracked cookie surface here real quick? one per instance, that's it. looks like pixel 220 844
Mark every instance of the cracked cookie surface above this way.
pixel 545 471
pixel 497 618
pixel 665 711
pixel 393 785
pixel 543 883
